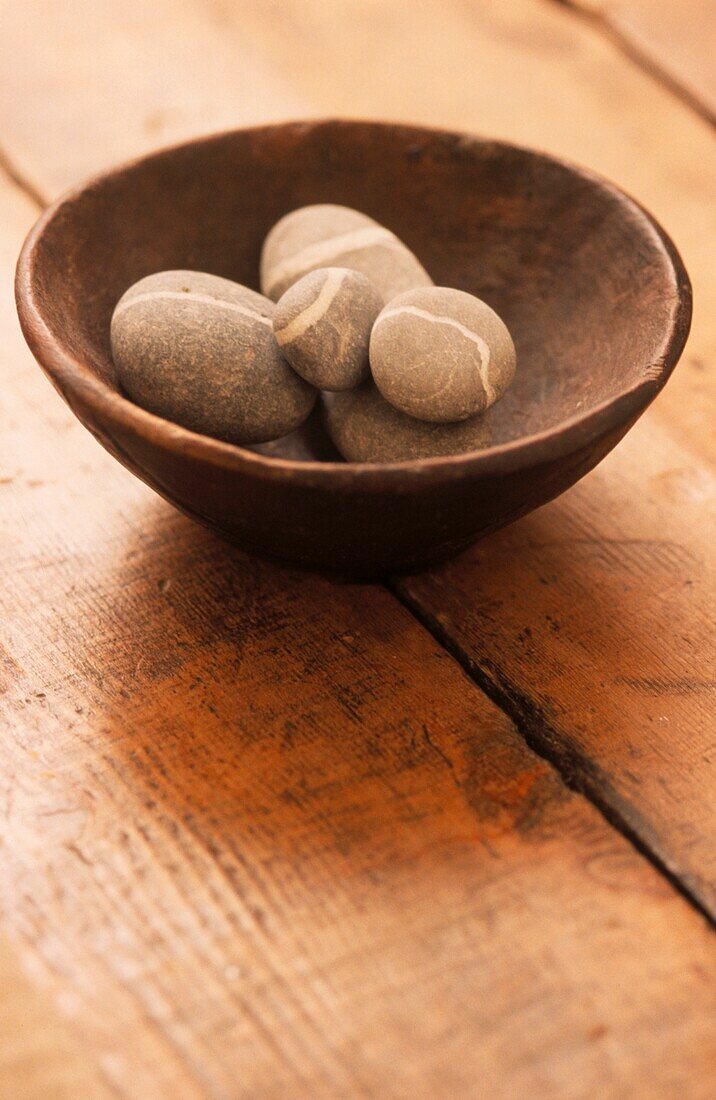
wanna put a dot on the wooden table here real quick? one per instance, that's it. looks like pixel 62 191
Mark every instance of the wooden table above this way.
pixel 269 835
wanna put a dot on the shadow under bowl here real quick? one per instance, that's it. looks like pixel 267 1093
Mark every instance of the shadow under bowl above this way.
pixel 591 288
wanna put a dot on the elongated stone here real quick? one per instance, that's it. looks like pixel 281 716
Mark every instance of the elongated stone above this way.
pixel 200 351
pixel 337 236
pixel 366 428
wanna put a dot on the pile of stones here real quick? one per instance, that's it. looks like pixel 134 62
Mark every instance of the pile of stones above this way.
pixel 403 369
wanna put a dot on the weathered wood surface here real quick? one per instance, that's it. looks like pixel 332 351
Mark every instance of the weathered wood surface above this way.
pixel 267 857
pixel 252 851
pixel 677 39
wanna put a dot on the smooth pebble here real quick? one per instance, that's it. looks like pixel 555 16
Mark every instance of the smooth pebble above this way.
pixel 327 235
pixel 323 324
pixel 199 350
pixel 441 355
pixel 365 428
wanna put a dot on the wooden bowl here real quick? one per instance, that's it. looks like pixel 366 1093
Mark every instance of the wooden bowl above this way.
pixel 593 291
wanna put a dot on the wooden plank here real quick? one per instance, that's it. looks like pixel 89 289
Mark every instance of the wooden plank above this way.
pixel 678 39
pixel 249 849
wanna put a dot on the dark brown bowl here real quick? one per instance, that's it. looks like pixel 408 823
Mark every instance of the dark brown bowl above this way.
pixel 593 291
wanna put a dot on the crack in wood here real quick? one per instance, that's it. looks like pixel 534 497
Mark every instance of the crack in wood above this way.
pixel 577 771
pixel 637 56
pixel 19 180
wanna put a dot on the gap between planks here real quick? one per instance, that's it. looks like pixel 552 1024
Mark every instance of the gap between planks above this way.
pixel 576 771
pixel 603 25
pixel 21 182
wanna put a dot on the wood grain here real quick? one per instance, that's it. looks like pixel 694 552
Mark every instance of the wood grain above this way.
pixel 677 39
pixel 248 848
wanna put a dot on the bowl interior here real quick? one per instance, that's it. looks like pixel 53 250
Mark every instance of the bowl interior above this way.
pixel 577 271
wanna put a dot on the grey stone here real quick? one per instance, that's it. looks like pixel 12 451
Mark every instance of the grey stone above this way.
pixel 366 428
pixel 327 235
pixel 200 351
pixel 441 355
pixel 323 324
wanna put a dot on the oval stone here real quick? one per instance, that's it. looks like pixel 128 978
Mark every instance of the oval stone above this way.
pixel 200 351
pixel 364 427
pixel 323 324
pixel 441 355
pixel 337 236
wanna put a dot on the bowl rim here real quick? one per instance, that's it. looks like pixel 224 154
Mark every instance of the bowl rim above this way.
pixel 78 383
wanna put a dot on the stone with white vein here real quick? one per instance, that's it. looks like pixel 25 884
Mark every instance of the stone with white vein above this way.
pixel 323 324
pixel 441 355
pixel 200 351
pixel 327 235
